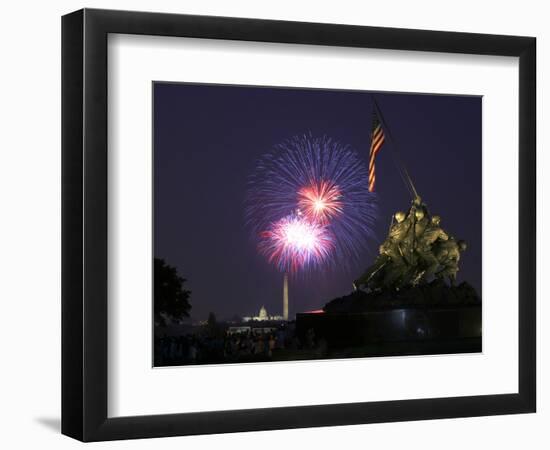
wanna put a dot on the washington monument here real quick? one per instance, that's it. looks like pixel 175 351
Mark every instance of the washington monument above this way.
pixel 285 298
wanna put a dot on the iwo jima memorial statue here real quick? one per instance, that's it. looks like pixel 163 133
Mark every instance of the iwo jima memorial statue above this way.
pixel 408 301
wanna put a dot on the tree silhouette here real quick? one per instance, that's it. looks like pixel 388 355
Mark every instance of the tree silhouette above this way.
pixel 170 298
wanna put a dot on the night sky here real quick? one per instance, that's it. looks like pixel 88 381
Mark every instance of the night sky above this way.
pixel 207 139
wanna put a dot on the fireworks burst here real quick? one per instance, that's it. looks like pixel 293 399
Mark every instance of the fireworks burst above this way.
pixel 320 201
pixel 294 242
pixel 310 190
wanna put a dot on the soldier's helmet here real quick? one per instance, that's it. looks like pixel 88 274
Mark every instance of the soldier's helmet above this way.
pixel 436 220
pixel 399 216
pixel 462 245
pixel 419 214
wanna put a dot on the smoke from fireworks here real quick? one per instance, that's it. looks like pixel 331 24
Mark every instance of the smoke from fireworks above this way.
pixel 308 204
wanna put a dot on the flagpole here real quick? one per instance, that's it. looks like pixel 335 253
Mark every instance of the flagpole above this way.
pixel 401 165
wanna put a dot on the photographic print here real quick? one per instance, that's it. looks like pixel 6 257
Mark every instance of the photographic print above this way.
pixel 299 224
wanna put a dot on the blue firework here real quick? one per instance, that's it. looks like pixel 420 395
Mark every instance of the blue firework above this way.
pixel 321 181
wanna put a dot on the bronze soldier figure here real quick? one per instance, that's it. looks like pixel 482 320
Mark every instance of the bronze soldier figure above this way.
pixel 416 249
pixel 448 256
pixel 387 266
pixel 428 261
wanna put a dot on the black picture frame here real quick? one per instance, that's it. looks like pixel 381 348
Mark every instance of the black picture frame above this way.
pixel 84 224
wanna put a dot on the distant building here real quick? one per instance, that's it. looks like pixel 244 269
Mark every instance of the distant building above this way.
pixel 238 330
pixel 262 316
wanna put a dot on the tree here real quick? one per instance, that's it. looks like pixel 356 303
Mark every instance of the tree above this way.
pixel 170 298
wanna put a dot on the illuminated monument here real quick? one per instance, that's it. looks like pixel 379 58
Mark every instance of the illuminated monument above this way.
pixel 407 301
pixel 285 298
pixel 262 316
pixel 416 249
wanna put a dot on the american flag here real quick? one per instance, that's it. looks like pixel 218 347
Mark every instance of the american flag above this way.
pixel 375 146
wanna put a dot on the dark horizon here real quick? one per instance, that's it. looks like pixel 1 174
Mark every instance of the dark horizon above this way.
pixel 207 139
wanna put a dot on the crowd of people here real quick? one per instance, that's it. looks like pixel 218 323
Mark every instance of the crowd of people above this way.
pixel 202 348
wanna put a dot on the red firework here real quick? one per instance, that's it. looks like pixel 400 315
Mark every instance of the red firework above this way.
pixel 320 201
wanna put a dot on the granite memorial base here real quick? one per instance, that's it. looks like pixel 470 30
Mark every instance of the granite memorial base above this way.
pixel 396 331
